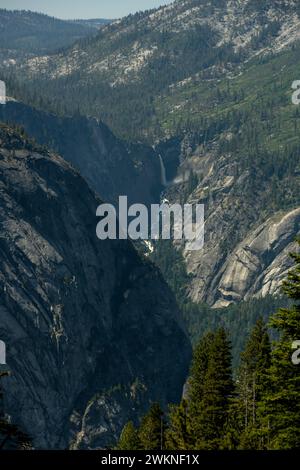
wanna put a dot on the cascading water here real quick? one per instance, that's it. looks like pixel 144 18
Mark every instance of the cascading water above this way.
pixel 163 171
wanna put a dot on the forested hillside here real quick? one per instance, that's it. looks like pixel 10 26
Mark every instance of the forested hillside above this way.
pixel 151 64
pixel 25 32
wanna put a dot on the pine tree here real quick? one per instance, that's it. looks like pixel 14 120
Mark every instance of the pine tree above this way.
pixel 218 388
pixel 211 388
pixel 251 384
pixel 282 401
pixel 178 435
pixel 129 439
pixel 196 380
pixel 199 368
pixel 152 429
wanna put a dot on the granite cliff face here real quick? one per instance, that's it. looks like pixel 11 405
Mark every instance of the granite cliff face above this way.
pixel 248 236
pixel 92 331
pixel 261 262
pixel 111 166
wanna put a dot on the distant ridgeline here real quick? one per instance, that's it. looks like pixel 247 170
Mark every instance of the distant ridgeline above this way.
pixel 25 32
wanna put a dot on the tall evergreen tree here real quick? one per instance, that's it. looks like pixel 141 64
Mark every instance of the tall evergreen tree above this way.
pixel 195 386
pixel 282 402
pixel 184 418
pixel 218 388
pixel 178 435
pixel 152 429
pixel 211 387
pixel 251 384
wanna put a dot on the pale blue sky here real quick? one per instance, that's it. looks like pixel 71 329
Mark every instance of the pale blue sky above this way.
pixel 83 8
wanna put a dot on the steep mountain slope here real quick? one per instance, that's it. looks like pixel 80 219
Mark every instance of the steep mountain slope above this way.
pixel 252 219
pixel 210 84
pixel 92 331
pixel 25 32
pixel 245 159
pixel 111 166
pixel 136 61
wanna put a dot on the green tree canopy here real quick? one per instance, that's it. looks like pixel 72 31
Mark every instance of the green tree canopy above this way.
pixel 152 429
pixel 129 439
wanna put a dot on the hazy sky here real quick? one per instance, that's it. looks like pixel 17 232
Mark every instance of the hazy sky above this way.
pixel 83 8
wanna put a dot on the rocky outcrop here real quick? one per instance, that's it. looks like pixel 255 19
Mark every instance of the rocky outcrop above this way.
pixel 259 264
pixel 92 331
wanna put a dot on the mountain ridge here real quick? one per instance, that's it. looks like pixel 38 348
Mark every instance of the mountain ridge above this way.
pixel 143 55
pixel 24 33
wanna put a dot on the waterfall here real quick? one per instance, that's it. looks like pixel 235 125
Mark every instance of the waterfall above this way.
pixel 2 353
pixel 163 172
